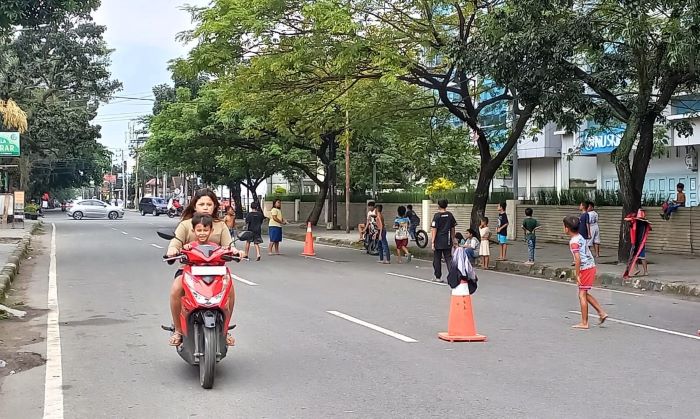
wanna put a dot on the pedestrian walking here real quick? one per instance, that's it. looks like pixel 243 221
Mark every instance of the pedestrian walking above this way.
pixel 383 242
pixel 585 271
pixel 253 223
pixel 502 231
pixel 402 225
pixel 484 247
pixel 593 229
pixel 530 226
pixel 443 238
pixel 275 227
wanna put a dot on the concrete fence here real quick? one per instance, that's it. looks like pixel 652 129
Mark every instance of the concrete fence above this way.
pixel 677 236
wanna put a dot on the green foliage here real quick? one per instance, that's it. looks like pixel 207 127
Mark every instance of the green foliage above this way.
pixel 601 198
pixel 58 74
pixel 279 190
pixel 31 208
pixel 31 13
pixel 467 197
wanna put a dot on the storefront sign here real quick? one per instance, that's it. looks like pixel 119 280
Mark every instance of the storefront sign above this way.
pixel 596 141
pixel 9 144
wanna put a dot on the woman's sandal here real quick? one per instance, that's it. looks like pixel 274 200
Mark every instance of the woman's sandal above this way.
pixel 176 339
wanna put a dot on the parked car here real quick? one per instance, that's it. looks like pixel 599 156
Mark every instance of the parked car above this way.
pixel 153 205
pixel 93 208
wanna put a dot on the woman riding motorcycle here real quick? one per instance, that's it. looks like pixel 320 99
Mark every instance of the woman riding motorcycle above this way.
pixel 205 202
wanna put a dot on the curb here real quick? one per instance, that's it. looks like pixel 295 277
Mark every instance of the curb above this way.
pixel 540 271
pixel 10 269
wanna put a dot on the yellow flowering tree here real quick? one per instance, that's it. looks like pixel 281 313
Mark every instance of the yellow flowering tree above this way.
pixel 440 184
pixel 13 117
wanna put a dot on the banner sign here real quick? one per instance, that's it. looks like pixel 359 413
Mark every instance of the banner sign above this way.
pixel 596 140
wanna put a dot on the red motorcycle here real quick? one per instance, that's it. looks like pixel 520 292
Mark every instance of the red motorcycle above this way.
pixel 205 315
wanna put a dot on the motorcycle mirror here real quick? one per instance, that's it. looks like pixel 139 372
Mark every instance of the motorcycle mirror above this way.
pixel 166 234
pixel 245 236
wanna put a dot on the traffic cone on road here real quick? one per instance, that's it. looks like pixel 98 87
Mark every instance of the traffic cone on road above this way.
pixel 460 326
pixel 309 242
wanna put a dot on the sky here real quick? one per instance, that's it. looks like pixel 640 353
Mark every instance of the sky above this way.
pixel 142 33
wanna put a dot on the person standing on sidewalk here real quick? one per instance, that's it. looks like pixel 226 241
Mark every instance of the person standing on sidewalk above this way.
pixel 585 271
pixel 502 231
pixel 593 229
pixel 530 226
pixel 484 247
pixel 443 238
pixel 383 242
pixel 275 227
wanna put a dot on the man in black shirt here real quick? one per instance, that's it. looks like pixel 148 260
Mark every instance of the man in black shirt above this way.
pixel 443 237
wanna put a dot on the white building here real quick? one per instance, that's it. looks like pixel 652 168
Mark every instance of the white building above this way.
pixel 560 160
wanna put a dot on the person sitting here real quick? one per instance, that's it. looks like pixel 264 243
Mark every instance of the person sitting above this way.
pixel 673 206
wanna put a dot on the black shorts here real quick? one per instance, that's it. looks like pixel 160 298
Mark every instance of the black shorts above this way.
pixel 178 273
pixel 257 238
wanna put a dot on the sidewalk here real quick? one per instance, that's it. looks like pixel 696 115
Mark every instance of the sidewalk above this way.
pixel 14 245
pixel 670 274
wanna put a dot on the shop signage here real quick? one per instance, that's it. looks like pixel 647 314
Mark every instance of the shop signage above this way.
pixel 9 144
pixel 595 141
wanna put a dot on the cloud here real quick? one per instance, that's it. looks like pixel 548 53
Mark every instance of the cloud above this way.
pixel 153 23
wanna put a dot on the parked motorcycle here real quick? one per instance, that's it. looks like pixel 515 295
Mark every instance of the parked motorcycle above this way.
pixel 205 315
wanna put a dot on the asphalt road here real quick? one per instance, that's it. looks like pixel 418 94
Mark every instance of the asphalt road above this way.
pixel 294 359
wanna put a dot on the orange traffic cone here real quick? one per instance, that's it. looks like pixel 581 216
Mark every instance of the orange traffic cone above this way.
pixel 309 243
pixel 460 326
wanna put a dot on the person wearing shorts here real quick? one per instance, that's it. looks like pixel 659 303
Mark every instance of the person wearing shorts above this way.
pixel 275 227
pixel 402 224
pixel 502 231
pixel 585 272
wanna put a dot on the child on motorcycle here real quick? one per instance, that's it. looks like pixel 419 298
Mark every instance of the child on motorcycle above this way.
pixel 201 225
pixel 204 202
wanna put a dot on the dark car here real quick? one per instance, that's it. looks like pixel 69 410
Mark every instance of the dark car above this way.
pixel 153 205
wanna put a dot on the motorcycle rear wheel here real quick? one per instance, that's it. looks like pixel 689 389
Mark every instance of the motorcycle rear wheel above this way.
pixel 207 362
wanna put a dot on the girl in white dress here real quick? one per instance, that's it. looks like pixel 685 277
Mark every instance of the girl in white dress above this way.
pixel 484 250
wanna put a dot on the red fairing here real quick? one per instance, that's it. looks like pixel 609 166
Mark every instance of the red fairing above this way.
pixel 210 255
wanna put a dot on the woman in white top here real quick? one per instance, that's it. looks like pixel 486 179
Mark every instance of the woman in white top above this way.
pixel 593 229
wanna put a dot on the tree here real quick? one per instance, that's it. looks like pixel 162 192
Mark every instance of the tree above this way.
pixel 58 74
pixel 32 13
pixel 627 60
pixel 333 45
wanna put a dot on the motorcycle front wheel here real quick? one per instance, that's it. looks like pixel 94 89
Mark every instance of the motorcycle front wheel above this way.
pixel 207 362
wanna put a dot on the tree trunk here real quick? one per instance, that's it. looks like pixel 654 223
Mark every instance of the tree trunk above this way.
pixel 631 179
pixel 235 192
pixel 481 194
pixel 320 201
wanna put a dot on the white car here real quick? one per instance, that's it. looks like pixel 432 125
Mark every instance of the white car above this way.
pixel 93 208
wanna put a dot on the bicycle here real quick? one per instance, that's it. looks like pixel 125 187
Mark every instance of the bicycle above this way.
pixel 421 238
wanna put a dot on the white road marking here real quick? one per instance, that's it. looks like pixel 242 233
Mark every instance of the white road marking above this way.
pixel 156 246
pixel 125 233
pixel 53 385
pixel 553 281
pixel 416 279
pixel 643 326
pixel 245 281
pixel 373 327
pixel 321 259
pixel 137 238
pixel 114 229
